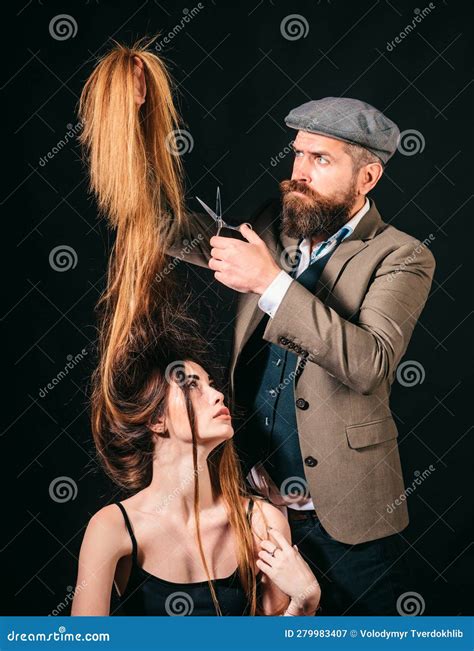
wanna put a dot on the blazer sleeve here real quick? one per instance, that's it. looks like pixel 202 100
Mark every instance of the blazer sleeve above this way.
pixel 192 243
pixel 361 354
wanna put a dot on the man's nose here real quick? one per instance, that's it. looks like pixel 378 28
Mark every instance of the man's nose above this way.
pixel 301 171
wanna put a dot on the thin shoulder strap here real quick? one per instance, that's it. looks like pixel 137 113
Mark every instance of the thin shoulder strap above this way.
pixel 129 529
pixel 250 510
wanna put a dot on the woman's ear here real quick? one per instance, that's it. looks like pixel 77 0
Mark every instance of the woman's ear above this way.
pixel 158 427
pixel 139 81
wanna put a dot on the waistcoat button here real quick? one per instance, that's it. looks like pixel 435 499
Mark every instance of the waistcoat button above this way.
pixel 302 404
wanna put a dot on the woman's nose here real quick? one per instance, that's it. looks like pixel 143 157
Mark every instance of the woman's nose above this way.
pixel 218 396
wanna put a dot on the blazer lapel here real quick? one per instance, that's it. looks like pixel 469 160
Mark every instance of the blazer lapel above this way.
pixel 370 224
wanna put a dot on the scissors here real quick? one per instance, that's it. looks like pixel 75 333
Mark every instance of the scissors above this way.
pixel 217 214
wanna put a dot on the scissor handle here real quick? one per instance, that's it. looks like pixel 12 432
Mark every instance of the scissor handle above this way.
pixel 237 228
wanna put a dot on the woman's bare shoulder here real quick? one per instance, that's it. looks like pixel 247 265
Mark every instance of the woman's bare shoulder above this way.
pixel 266 515
pixel 107 528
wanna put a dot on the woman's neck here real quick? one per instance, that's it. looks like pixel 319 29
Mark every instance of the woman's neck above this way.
pixel 172 486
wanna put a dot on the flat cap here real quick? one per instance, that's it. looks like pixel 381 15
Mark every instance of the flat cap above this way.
pixel 350 120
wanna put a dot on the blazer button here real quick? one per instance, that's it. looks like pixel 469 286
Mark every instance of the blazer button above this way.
pixel 311 462
pixel 302 404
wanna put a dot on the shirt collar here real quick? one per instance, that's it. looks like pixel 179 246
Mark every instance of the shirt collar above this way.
pixel 352 223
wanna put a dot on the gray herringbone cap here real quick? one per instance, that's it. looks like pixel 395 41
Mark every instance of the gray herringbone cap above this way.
pixel 350 120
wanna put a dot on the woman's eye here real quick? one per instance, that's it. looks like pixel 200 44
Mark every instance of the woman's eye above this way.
pixel 192 384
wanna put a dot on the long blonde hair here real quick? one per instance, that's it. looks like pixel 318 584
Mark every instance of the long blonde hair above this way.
pixel 139 188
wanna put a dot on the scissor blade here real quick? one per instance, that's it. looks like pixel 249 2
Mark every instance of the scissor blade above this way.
pixel 208 210
pixel 218 203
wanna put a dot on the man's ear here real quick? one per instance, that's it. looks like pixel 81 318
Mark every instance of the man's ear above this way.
pixel 369 177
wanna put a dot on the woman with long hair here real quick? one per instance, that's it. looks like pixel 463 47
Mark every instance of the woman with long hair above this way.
pixel 188 539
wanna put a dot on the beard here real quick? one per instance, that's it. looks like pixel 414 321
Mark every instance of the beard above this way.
pixel 314 214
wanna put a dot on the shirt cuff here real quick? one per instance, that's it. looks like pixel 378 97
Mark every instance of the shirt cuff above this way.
pixel 271 298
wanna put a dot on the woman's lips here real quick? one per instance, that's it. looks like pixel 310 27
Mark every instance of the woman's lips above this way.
pixel 223 413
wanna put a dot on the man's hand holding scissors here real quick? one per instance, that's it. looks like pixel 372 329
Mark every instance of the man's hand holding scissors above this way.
pixel 243 266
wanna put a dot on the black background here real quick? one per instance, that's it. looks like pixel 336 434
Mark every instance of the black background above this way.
pixel 237 78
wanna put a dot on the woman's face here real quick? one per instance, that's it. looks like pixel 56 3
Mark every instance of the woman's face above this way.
pixel 212 418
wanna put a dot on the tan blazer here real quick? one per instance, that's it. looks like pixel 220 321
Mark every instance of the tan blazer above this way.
pixel 350 337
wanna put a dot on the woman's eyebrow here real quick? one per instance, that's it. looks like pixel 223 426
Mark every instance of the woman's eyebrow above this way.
pixel 196 377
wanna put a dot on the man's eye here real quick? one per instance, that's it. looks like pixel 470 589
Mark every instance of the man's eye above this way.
pixel 192 384
pixel 321 160
pixel 297 153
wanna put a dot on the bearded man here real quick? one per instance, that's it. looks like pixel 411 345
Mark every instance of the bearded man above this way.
pixel 330 295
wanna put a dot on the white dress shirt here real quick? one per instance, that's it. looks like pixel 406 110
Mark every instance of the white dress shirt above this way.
pixel 269 302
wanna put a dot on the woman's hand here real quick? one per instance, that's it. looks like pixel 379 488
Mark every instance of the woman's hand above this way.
pixel 139 81
pixel 285 566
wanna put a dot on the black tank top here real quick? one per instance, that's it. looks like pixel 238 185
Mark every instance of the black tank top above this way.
pixel 147 594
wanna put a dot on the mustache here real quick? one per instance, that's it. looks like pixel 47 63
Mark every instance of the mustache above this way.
pixel 292 185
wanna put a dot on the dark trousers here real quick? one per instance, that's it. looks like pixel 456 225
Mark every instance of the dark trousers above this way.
pixel 363 579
